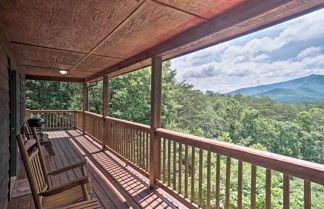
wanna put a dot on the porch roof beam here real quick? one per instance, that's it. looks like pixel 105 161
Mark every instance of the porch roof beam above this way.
pixel 53 78
pixel 233 17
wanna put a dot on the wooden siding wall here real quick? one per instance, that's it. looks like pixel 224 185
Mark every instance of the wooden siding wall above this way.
pixel 5 52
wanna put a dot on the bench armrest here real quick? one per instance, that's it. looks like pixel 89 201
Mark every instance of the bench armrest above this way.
pixel 70 167
pixel 78 182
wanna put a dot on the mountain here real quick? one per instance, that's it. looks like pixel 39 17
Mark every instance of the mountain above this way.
pixel 306 89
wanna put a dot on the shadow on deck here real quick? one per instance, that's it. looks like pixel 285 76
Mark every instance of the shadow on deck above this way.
pixel 115 184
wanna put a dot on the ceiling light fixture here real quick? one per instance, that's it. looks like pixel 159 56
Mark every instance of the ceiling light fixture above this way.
pixel 63 72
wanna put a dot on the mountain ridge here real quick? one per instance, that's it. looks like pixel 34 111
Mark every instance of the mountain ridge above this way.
pixel 305 89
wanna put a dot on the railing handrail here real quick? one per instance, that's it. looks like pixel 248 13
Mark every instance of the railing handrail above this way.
pixel 138 126
pixel 93 114
pixel 44 111
pixel 313 172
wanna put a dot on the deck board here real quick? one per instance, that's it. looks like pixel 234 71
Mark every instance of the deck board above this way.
pixel 115 184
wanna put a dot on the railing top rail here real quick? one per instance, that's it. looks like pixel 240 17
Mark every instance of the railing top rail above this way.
pixel 54 111
pixel 291 166
pixel 138 126
pixel 93 114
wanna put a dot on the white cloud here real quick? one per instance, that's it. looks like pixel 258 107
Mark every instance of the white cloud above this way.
pixel 311 51
pixel 230 65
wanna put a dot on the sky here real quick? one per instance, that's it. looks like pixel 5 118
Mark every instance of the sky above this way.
pixel 286 51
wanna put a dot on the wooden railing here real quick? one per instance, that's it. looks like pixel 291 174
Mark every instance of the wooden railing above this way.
pixel 207 173
pixel 54 119
pixel 190 163
pixel 130 141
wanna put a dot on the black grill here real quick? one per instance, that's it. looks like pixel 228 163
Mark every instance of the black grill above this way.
pixel 36 122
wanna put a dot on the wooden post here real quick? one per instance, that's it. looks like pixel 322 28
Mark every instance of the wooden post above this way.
pixel 156 79
pixel 27 114
pixel 105 108
pixel 84 104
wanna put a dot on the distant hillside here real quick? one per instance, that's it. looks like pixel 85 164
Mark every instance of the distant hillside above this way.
pixel 307 89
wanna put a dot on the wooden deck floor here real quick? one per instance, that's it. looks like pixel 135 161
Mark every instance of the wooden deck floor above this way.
pixel 114 184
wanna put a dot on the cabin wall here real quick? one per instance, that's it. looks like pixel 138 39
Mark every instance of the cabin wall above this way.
pixel 5 52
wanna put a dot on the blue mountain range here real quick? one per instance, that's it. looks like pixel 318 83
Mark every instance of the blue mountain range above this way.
pixel 306 89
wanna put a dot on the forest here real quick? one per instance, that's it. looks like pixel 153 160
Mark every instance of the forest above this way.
pixel 295 130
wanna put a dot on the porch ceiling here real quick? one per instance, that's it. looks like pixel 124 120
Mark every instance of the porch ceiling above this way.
pixel 99 37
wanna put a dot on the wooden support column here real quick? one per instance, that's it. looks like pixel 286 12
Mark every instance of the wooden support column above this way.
pixel 84 104
pixel 155 148
pixel 105 108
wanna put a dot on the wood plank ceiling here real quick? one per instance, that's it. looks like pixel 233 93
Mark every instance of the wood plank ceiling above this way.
pixel 91 38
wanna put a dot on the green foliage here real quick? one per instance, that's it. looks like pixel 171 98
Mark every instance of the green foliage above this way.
pixel 46 95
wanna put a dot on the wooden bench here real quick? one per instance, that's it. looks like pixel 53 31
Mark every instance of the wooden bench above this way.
pixel 74 194
pixel 38 134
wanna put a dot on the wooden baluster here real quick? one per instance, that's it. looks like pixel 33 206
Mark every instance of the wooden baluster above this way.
pixel 144 150
pixel 169 162
pixel 134 146
pixel 186 172
pixel 147 151
pixel 63 122
pixel 253 186
pixel 208 180
pixel 54 120
pixel 129 144
pixel 268 189
pixel 174 165
pixel 120 140
pixel 141 148
pixel 123 141
pixel 192 196
pixel 138 148
pixel 95 127
pixel 228 183
pixel 286 201
pixel 307 195
pixel 217 193
pixel 239 184
pixel 51 118
pixel 164 161
pixel 200 177
pixel 126 142
pixel 114 136
pixel 180 168
pixel 57 122
pixel 46 118
pixel 117 138
pixel 110 134
pixel 110 137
